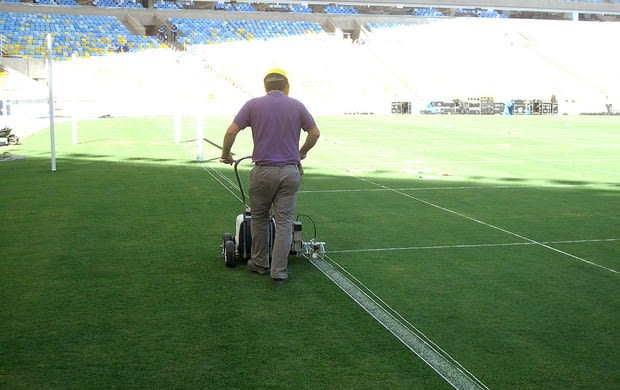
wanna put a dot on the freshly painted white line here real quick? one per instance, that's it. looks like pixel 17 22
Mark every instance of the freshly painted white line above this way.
pixel 487 187
pixel 439 360
pixel 416 189
pixel 493 227
pixel 468 245
pixel 436 358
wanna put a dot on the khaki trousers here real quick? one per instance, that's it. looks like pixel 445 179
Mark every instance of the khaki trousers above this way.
pixel 273 187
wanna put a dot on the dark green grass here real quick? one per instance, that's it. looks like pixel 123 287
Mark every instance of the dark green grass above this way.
pixel 112 276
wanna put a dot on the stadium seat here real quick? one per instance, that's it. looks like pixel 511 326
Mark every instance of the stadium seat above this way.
pixel 337 9
pixel 430 12
pixel 67 3
pixel 167 5
pixel 205 31
pixel 72 34
pixel 300 8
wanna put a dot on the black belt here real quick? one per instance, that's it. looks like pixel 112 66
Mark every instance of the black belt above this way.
pixel 275 165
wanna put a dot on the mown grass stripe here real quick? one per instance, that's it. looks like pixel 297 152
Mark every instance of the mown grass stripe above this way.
pixel 495 227
pixel 447 367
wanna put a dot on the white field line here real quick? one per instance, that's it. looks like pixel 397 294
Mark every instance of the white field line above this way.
pixel 492 226
pixel 436 358
pixel 409 248
pixel 428 188
pixel 484 162
pixel 439 360
pixel 513 161
pixel 485 187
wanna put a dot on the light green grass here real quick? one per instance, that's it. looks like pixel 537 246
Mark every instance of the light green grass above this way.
pixel 112 275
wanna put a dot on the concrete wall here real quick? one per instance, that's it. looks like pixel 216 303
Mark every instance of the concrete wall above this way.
pixel 32 67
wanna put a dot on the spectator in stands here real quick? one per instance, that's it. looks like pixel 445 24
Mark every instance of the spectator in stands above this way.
pixel 163 36
pixel 276 121
pixel 174 30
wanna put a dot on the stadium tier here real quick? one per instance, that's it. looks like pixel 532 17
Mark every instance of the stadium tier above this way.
pixel 361 63
pixel 87 36
pixel 206 31
pixel 333 8
pixel 84 36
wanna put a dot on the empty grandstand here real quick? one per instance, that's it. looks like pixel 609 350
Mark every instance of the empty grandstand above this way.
pixel 126 56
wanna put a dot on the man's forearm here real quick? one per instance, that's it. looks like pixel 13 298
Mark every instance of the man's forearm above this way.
pixel 311 139
pixel 229 140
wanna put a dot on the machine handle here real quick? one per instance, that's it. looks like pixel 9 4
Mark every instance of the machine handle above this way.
pixel 235 165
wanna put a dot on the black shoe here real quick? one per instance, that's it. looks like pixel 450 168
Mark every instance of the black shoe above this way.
pixel 279 280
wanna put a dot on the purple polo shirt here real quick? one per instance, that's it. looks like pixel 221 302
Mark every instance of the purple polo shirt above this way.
pixel 276 121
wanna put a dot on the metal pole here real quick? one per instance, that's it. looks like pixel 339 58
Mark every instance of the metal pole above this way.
pixel 199 139
pixel 51 101
pixel 74 131
pixel 177 129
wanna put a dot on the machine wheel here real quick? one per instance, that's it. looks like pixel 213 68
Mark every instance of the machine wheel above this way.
pixel 227 237
pixel 229 254
pixel 244 246
pixel 13 140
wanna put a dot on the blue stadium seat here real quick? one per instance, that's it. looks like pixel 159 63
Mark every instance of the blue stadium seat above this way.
pixel 67 3
pixel 203 31
pixel 167 5
pixel 301 8
pixel 337 9
pixel 245 7
pixel 430 12
pixel 79 34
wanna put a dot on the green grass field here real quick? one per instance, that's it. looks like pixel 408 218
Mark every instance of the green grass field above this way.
pixel 496 237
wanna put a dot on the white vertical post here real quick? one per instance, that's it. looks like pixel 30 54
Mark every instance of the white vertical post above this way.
pixel 74 133
pixel 74 112
pixel 177 129
pixel 51 101
pixel 199 139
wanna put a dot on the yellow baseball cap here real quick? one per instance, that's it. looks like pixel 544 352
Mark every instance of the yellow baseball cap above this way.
pixel 278 71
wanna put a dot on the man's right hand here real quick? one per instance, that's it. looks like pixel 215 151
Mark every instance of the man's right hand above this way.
pixel 227 159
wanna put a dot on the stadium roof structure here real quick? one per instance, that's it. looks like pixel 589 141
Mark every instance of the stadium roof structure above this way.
pixel 574 7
